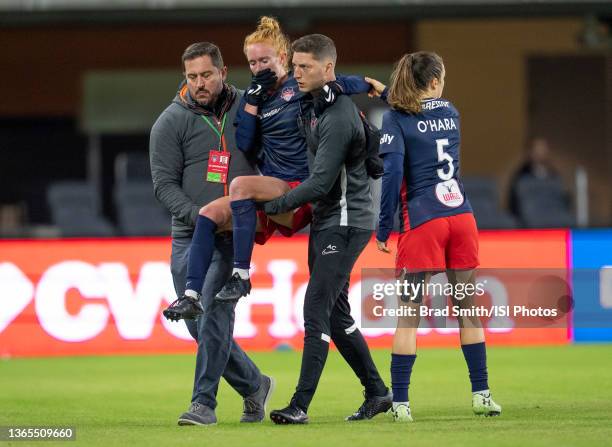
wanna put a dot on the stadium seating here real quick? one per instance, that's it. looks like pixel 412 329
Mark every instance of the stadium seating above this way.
pixel 544 203
pixel 75 210
pixel 138 211
pixel 483 194
pixel 132 167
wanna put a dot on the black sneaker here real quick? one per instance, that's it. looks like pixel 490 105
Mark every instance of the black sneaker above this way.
pixel 372 406
pixel 234 289
pixel 183 308
pixel 254 406
pixel 289 415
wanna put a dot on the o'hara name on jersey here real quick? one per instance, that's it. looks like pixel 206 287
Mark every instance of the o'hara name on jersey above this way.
pixel 437 125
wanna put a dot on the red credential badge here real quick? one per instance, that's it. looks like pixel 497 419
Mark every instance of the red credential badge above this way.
pixel 218 166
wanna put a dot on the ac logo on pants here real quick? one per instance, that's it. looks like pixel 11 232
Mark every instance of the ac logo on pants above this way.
pixel 329 250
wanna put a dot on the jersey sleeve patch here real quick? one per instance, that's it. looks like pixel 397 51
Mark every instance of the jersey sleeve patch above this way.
pixel 391 140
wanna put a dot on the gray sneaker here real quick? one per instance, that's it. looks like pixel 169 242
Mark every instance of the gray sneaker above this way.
pixel 255 404
pixel 198 414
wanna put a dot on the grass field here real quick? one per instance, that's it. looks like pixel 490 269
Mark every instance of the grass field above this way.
pixel 553 396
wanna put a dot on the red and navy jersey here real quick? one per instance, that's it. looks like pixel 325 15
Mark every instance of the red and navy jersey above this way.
pixel 421 155
pixel 275 133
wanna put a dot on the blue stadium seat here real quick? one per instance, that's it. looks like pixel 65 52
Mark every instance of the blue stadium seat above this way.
pixel 544 203
pixel 483 194
pixel 138 211
pixel 132 167
pixel 75 210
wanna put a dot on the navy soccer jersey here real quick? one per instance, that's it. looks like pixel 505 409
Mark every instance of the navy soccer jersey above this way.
pixel 282 150
pixel 430 187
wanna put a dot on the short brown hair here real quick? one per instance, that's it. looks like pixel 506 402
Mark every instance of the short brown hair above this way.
pixel 200 49
pixel 318 45
pixel 411 77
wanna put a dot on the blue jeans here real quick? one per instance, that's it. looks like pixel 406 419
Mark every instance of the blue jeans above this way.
pixel 218 353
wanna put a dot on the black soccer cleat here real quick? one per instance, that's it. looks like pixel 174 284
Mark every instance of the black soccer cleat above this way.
pixel 372 406
pixel 234 289
pixel 183 308
pixel 289 415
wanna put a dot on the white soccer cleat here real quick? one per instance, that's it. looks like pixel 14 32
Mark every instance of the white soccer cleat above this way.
pixel 484 405
pixel 401 413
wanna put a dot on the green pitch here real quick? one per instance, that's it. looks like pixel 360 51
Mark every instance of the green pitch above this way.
pixel 554 396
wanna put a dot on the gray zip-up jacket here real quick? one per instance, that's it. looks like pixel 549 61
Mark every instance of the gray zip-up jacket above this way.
pixel 179 146
pixel 338 185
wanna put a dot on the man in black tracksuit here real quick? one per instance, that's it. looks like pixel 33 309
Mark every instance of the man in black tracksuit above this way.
pixel 343 221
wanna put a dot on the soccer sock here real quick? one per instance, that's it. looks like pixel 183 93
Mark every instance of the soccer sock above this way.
pixel 244 217
pixel 476 358
pixel 397 404
pixel 243 273
pixel 401 369
pixel 200 253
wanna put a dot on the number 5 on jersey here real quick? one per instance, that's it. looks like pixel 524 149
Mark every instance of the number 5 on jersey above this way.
pixel 444 156
pixel 447 191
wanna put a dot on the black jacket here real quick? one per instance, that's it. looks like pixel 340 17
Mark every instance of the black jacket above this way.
pixel 338 185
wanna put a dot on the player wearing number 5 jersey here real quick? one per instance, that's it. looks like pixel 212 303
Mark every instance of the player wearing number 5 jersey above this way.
pixel 420 147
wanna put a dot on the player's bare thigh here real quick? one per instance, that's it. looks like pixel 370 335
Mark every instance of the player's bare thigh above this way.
pixel 220 212
pixel 261 188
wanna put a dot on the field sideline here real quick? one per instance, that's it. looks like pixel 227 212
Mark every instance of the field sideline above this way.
pixel 551 396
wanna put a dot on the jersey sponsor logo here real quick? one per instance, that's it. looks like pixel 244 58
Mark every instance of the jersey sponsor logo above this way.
pixel 287 93
pixel 271 112
pixel 448 193
pixel 436 125
pixel 330 249
pixel 430 105
pixel 386 139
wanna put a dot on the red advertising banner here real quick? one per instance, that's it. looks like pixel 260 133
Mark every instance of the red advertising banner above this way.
pixel 95 296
